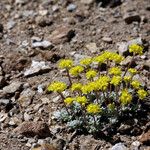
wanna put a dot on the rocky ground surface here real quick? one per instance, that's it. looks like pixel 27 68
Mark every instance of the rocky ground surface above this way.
pixel 34 35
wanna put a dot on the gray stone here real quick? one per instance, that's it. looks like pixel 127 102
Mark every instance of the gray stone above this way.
pixel 13 87
pixel 130 17
pixel 87 1
pixel 26 97
pixel 43 44
pixel 4 101
pixel 71 7
pixel 119 146
pixel 92 47
pixel 107 39
pixel 36 68
pixel 11 24
pixel 135 145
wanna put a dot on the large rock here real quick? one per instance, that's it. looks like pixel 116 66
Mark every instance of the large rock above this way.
pixel 36 68
pixel 31 129
pixel 13 87
pixel 45 147
pixel 62 34
pixel 119 146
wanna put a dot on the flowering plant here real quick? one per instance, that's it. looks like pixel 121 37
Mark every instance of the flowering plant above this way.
pixel 98 97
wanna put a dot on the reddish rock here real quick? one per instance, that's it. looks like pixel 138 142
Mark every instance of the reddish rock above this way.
pixel 145 138
pixel 62 34
pixel 30 129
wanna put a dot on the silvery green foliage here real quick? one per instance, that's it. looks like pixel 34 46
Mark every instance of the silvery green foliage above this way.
pixel 74 124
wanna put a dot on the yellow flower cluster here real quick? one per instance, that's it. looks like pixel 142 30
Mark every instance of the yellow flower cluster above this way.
pixel 68 100
pixel 91 74
pixel 116 80
pixel 125 97
pixel 115 71
pixel 127 78
pixel 108 56
pixel 82 100
pixel 86 61
pixel 57 86
pixel 75 71
pixel 65 63
pixel 136 84
pixel 142 94
pixel 135 48
pixel 132 71
pixel 93 109
pixel 76 87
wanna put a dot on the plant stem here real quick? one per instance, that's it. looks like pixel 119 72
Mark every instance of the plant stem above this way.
pixel 69 77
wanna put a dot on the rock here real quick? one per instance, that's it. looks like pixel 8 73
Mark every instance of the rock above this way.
pixel 124 128
pixel 27 117
pixel 43 44
pixel 40 88
pixel 4 101
pixel 92 47
pixel 13 87
pixel 45 100
pixel 11 24
pixel 2 81
pixel 87 2
pixel 43 12
pixel 45 147
pixel 145 138
pixel 26 97
pixel 43 22
pixel 130 17
pixel 1 28
pixel 21 1
pixel 119 146
pixel 107 39
pixel 62 34
pixel 135 145
pixel 37 68
pixel 31 129
pixel 3 116
pixel 71 7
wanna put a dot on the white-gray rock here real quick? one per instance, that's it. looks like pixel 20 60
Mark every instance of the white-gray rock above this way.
pixel 36 68
pixel 135 145
pixel 119 146
pixel 87 1
pixel 71 7
pixel 11 24
pixel 12 88
pixel 92 47
pixel 43 44
pixel 107 39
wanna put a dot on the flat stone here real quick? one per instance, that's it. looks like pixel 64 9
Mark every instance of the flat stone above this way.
pixel 11 24
pixel 119 146
pixel 130 17
pixel 13 87
pixel 87 1
pixel 26 97
pixel 43 44
pixel 45 147
pixel 107 39
pixel 71 7
pixel 92 47
pixel 36 68
pixel 31 129
pixel 62 34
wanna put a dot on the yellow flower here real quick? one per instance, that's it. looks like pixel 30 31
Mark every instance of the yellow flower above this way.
pixel 135 48
pixel 107 55
pixel 57 86
pixel 125 97
pixel 99 59
pixel 76 87
pixel 127 78
pixel 81 100
pixel 93 109
pixel 117 58
pixel 132 71
pixel 65 63
pixel 91 74
pixel 68 100
pixel 115 71
pixel 86 89
pixel 116 80
pixel 142 94
pixel 136 84
pixel 86 61
pixel 76 70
